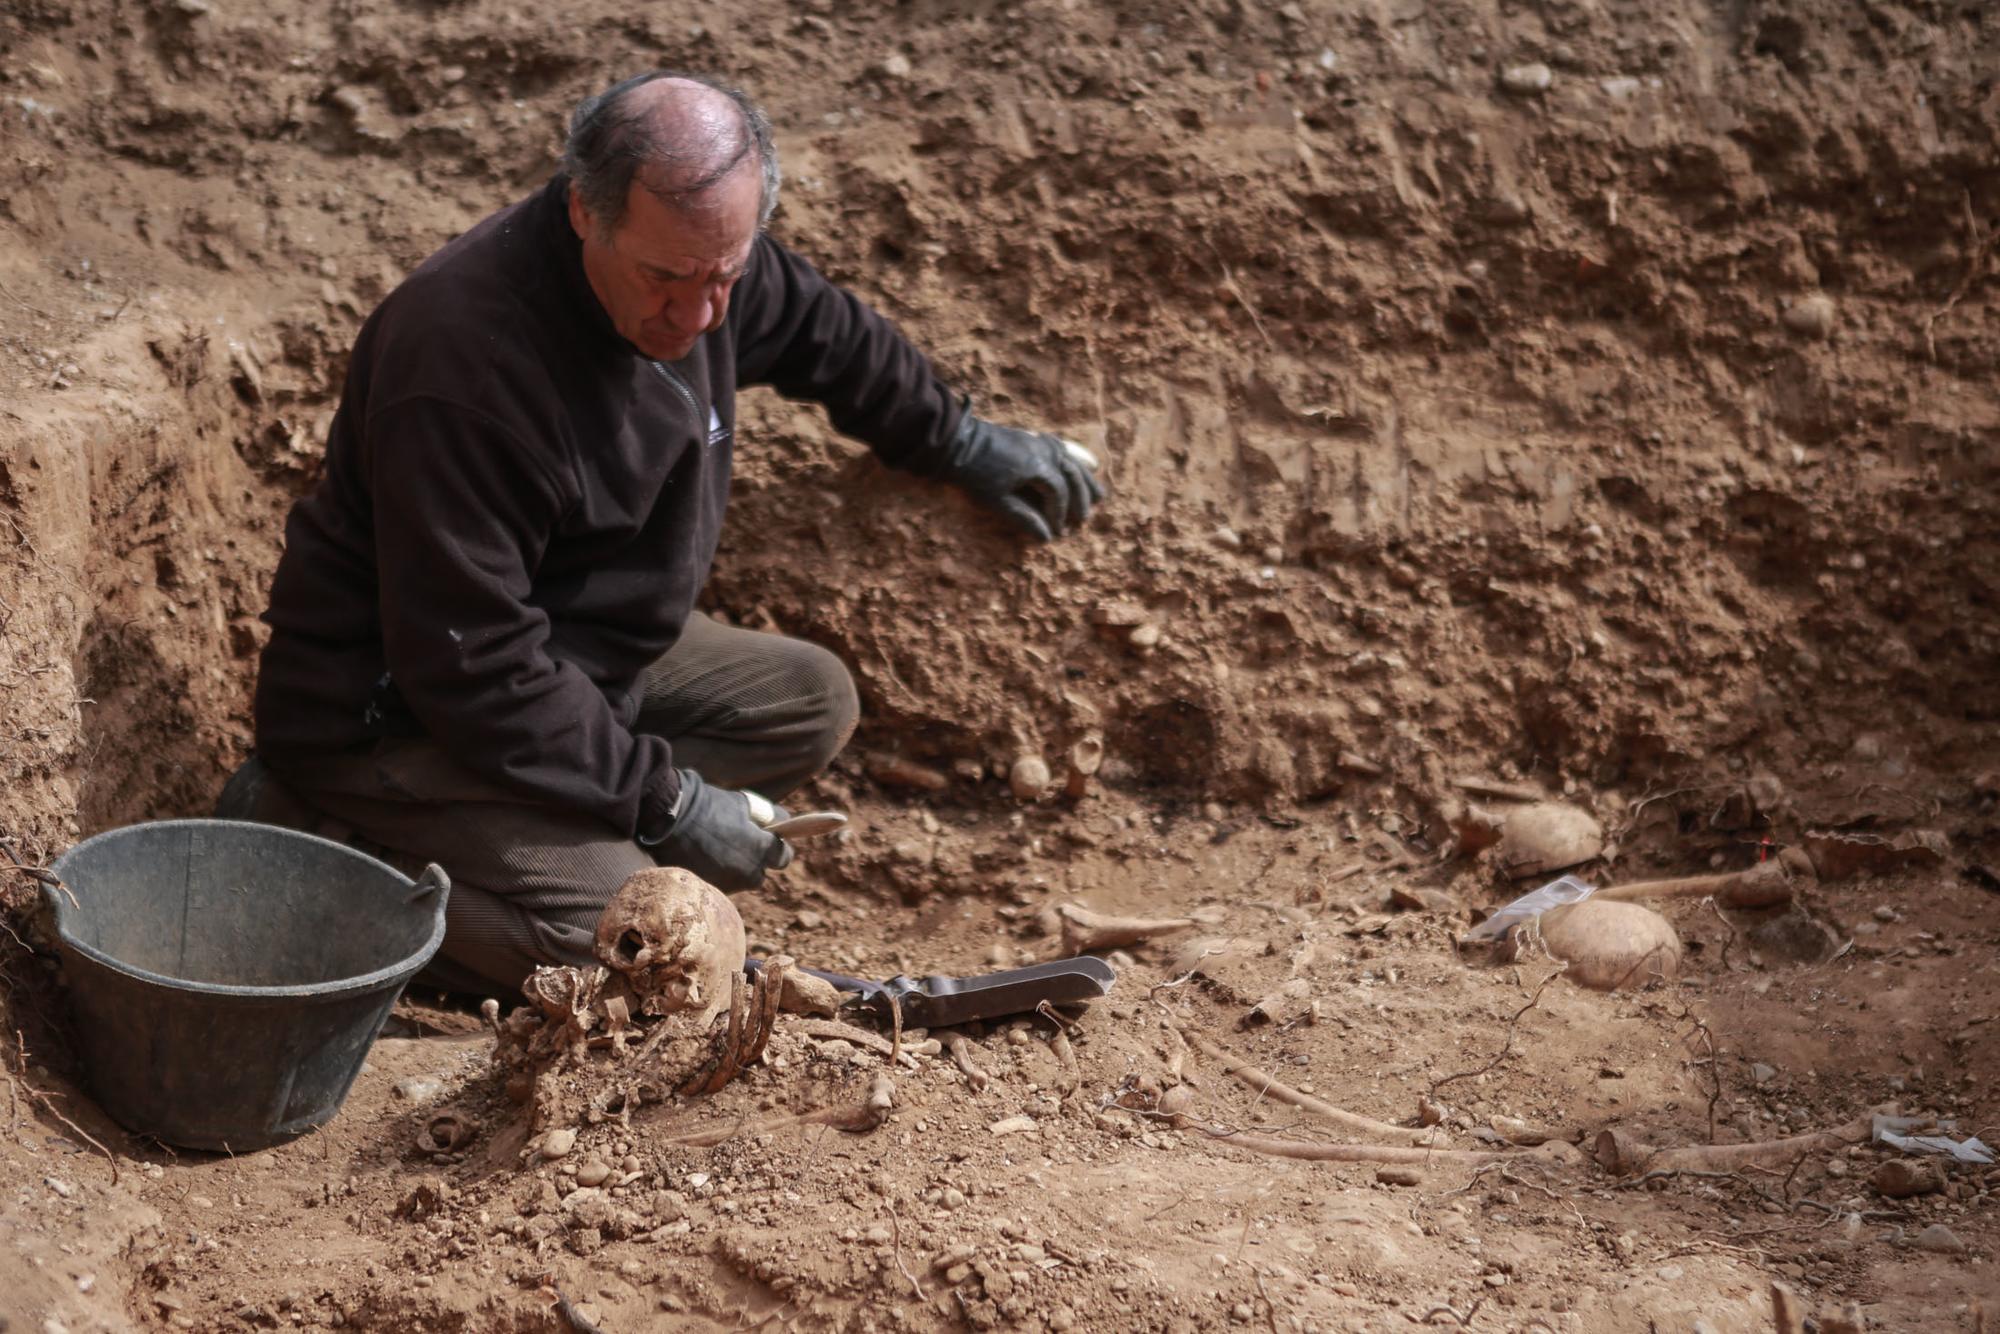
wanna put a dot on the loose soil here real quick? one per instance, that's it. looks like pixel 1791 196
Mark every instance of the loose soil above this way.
pixel 1632 439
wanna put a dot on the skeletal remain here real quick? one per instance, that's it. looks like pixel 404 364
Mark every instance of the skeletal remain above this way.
pixel 1764 885
pixel 1084 930
pixel 1086 757
pixel 1620 1153
pixel 671 1010
pixel 976 1079
pixel 1547 837
pixel 674 941
pixel 1610 945
pixel 1292 1001
pixel 446 1132
pixel 806 994
pixel 856 1118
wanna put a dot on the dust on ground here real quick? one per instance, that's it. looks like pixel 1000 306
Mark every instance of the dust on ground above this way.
pixel 1585 398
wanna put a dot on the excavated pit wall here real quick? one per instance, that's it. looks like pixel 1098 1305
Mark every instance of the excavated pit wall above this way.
pixel 1447 428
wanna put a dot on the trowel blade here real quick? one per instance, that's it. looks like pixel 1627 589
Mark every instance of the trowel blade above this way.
pixel 939 1002
pixel 812 824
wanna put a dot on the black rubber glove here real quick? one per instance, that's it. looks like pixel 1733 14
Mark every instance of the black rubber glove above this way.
pixel 713 835
pixel 1046 485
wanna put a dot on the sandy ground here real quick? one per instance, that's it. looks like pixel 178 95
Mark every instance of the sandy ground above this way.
pixel 1624 431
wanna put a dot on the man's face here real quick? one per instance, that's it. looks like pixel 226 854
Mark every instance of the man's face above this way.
pixel 664 276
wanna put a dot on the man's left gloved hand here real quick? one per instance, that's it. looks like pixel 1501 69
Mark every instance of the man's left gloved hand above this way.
pixel 1044 484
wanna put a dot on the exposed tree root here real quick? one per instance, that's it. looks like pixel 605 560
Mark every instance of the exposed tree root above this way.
pixel 1308 1151
pixel 1352 1122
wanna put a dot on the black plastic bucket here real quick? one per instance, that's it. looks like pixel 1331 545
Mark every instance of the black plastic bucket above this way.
pixel 228 978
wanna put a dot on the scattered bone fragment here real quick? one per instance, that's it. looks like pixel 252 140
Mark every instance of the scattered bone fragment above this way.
pixel 446 1132
pixel 1516 1131
pixel 1761 886
pixel 1291 1002
pixel 976 1078
pixel 911 775
pixel 1029 777
pixel 1621 1153
pixel 1084 930
pixel 806 994
pixel 1086 757
pixel 1231 965
pixel 855 1117
pixel 1530 80
pixel 1351 1122
pixel 860 1037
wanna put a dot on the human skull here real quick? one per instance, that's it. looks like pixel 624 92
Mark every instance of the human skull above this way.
pixel 675 941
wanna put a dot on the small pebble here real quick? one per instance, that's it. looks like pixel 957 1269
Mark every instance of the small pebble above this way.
pixel 1811 316
pixel 1937 1237
pixel 418 1088
pixel 557 1143
pixel 593 1173
pixel 1400 1176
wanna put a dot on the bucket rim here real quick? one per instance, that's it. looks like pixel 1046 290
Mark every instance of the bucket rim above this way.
pixel 60 907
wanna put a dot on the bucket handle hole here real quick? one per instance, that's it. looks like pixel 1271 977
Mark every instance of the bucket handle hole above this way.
pixel 431 883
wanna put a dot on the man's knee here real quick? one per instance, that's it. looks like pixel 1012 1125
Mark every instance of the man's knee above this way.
pixel 830 705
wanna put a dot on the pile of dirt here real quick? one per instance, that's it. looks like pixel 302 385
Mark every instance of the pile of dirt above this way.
pixel 1551 400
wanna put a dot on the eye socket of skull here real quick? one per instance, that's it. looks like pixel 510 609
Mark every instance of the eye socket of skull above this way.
pixel 631 951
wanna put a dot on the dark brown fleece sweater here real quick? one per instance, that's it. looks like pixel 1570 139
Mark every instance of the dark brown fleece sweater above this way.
pixel 519 509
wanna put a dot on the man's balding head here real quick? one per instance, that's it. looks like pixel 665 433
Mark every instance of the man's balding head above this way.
pixel 675 135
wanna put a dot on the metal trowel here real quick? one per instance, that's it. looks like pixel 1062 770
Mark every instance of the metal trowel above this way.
pixel 939 1002
pixel 811 824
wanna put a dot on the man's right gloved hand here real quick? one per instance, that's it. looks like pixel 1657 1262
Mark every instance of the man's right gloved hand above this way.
pixel 1044 484
pixel 712 834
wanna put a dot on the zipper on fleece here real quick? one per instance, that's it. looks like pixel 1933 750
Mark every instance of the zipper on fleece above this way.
pixel 673 378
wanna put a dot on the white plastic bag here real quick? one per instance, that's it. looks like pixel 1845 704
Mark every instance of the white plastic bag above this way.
pixel 1555 894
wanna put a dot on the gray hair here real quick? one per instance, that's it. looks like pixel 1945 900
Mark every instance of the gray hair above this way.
pixel 611 141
